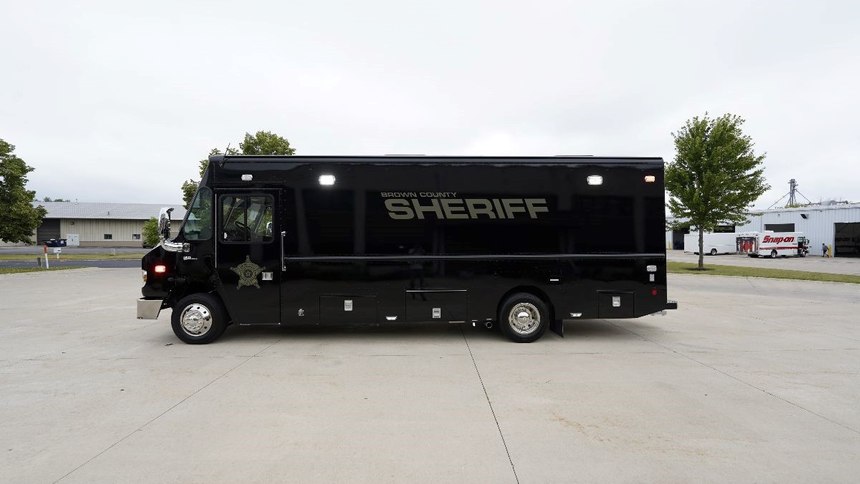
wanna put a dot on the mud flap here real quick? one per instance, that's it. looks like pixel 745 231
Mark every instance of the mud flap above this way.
pixel 557 327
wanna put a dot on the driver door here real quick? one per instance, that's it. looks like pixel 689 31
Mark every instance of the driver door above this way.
pixel 248 254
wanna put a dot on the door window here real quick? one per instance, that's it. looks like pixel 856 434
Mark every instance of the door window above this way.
pixel 246 218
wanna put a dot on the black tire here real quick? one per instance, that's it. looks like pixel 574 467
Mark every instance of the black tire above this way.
pixel 195 308
pixel 528 329
pixel 713 251
pixel 773 254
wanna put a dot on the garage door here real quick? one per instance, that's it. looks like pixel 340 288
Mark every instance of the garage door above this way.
pixel 847 240
pixel 50 229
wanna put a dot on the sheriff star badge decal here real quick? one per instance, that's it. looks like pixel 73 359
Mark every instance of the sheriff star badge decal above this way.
pixel 248 272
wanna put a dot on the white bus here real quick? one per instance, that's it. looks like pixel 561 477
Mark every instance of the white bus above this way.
pixel 714 243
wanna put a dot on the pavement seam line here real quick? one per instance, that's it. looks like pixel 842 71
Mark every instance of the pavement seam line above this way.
pixel 153 419
pixel 738 379
pixel 490 403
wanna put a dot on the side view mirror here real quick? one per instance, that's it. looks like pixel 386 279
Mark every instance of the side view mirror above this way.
pixel 164 223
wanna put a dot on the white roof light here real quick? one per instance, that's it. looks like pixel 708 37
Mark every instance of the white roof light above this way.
pixel 594 180
pixel 326 180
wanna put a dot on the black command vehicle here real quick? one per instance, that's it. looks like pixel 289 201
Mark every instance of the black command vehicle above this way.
pixel 524 242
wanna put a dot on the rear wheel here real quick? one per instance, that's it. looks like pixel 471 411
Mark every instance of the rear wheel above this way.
pixel 198 319
pixel 524 318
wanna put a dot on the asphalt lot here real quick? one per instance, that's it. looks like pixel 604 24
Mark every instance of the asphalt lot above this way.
pixel 39 250
pixel 839 265
pixel 750 380
pixel 64 262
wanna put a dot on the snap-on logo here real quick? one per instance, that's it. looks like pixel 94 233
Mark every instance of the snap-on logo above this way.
pixel 776 240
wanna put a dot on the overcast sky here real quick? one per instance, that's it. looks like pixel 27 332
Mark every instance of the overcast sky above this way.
pixel 116 101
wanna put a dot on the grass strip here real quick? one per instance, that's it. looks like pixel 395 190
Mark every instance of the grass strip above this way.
pixel 739 271
pixel 53 257
pixel 19 270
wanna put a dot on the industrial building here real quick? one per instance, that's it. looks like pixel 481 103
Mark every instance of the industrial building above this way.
pixel 836 224
pixel 100 224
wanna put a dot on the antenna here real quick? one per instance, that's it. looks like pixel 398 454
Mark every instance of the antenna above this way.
pixel 792 199
pixel 792 189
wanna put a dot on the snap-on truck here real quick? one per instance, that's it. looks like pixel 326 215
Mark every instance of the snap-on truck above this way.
pixel 773 244
pixel 522 242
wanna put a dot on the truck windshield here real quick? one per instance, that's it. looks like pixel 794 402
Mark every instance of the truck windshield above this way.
pixel 198 220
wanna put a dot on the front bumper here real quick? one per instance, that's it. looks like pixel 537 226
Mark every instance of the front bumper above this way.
pixel 148 308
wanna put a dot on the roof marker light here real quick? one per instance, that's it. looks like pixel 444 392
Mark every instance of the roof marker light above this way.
pixel 326 180
pixel 650 178
pixel 594 180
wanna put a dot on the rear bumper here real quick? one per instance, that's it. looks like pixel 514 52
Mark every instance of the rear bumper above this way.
pixel 148 308
pixel 671 304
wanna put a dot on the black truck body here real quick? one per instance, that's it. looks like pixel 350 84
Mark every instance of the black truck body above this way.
pixel 522 241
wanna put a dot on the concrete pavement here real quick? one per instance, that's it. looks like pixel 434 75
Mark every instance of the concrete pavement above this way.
pixel 750 380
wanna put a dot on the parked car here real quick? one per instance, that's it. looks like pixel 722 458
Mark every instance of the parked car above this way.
pixel 55 242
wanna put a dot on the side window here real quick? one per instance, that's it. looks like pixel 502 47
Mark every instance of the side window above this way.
pixel 330 216
pixel 198 221
pixel 246 218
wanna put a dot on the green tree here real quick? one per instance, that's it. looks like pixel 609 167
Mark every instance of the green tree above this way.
pixel 265 143
pixel 150 232
pixel 261 143
pixel 715 175
pixel 18 217
pixel 189 188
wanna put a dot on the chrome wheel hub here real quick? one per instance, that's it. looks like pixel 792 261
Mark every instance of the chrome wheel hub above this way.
pixel 524 318
pixel 196 319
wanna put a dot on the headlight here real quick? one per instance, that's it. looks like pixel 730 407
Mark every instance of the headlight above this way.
pixel 143 274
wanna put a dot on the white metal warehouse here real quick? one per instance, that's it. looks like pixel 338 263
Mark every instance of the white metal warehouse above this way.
pixel 835 224
pixel 100 224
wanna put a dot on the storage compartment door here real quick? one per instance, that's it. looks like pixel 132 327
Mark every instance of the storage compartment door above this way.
pixel 611 304
pixel 437 305
pixel 348 310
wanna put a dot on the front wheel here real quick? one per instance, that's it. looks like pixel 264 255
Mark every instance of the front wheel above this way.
pixel 773 254
pixel 198 319
pixel 713 251
pixel 524 318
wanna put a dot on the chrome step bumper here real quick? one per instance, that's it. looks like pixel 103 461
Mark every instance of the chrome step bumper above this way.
pixel 148 308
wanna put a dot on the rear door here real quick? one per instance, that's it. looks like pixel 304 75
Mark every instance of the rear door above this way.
pixel 248 254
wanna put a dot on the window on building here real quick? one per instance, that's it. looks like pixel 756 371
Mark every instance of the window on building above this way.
pixel 108 236
pixel 780 227
pixel 135 236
